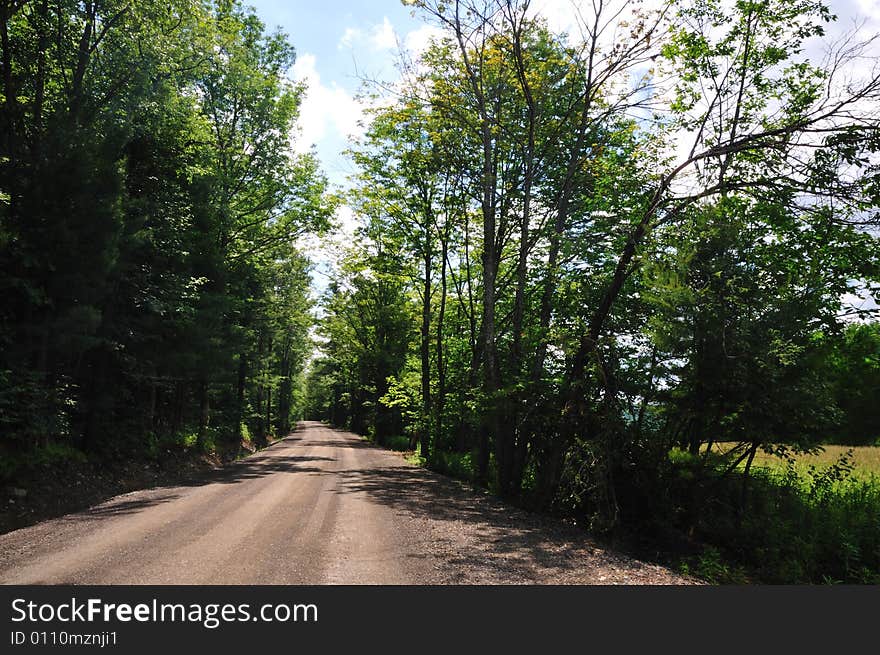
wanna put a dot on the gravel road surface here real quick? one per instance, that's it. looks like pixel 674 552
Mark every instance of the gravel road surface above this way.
pixel 319 507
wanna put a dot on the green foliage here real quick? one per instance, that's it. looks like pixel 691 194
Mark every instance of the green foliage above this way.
pixel 545 294
pixel 853 371
pixel 800 528
pixel 404 396
pixel 398 442
pixel 366 328
pixel 50 456
pixel 456 465
pixel 711 566
pixel 151 285
pixel 568 297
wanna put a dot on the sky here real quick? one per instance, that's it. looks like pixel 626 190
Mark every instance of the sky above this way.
pixel 342 43
pixel 339 43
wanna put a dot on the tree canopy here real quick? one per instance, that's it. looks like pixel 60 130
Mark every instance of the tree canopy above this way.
pixel 611 244
pixel 151 204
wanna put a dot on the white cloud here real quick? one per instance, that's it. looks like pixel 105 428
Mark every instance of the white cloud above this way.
pixel 561 15
pixel 572 16
pixel 324 107
pixel 869 9
pixel 382 36
pixel 569 15
pixel 418 40
pixel 349 37
pixel 862 300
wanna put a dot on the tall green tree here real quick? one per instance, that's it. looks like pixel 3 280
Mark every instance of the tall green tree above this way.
pixel 151 208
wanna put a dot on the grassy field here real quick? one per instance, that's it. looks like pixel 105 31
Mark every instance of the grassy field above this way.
pixel 865 458
pixel 812 526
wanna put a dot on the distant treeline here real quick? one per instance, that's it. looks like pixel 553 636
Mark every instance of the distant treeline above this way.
pixel 150 291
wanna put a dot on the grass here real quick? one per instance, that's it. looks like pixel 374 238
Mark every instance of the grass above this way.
pixel 866 459
pixel 815 519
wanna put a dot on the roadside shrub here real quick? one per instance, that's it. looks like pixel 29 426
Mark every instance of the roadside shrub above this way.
pixel 52 455
pixel 455 465
pixel 397 442
pixel 821 526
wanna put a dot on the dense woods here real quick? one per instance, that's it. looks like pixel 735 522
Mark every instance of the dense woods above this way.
pixel 589 260
pixel 152 293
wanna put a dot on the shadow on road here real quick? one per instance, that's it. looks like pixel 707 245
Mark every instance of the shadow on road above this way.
pixel 124 507
pixel 249 469
pixel 259 467
pixel 510 542
pixel 340 443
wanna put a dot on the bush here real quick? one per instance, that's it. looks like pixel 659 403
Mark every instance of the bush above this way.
pixel 455 465
pixel 816 527
pixel 712 567
pixel 397 442
pixel 49 456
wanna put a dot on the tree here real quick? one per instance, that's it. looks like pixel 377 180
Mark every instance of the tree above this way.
pixel 152 207
pixel 367 331
pixel 612 295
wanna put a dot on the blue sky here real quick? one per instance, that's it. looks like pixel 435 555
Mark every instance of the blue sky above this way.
pixel 338 42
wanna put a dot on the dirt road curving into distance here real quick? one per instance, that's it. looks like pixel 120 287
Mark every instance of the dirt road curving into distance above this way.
pixel 319 507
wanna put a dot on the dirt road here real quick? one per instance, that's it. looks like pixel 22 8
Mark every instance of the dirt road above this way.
pixel 321 506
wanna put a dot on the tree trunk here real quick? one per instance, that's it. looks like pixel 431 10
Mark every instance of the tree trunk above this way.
pixel 177 409
pixel 268 411
pixel 511 442
pixel 259 434
pixel 82 62
pixel 239 396
pixel 11 109
pixel 285 391
pixel 489 422
pixel 490 381
pixel 744 490
pixel 440 401
pixel 426 351
pixel 94 396
pixel 40 82
pixel 267 427
pixel 151 418
pixel 204 413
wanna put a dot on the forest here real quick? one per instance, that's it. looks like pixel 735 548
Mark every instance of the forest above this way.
pixel 601 275
pixel 151 288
